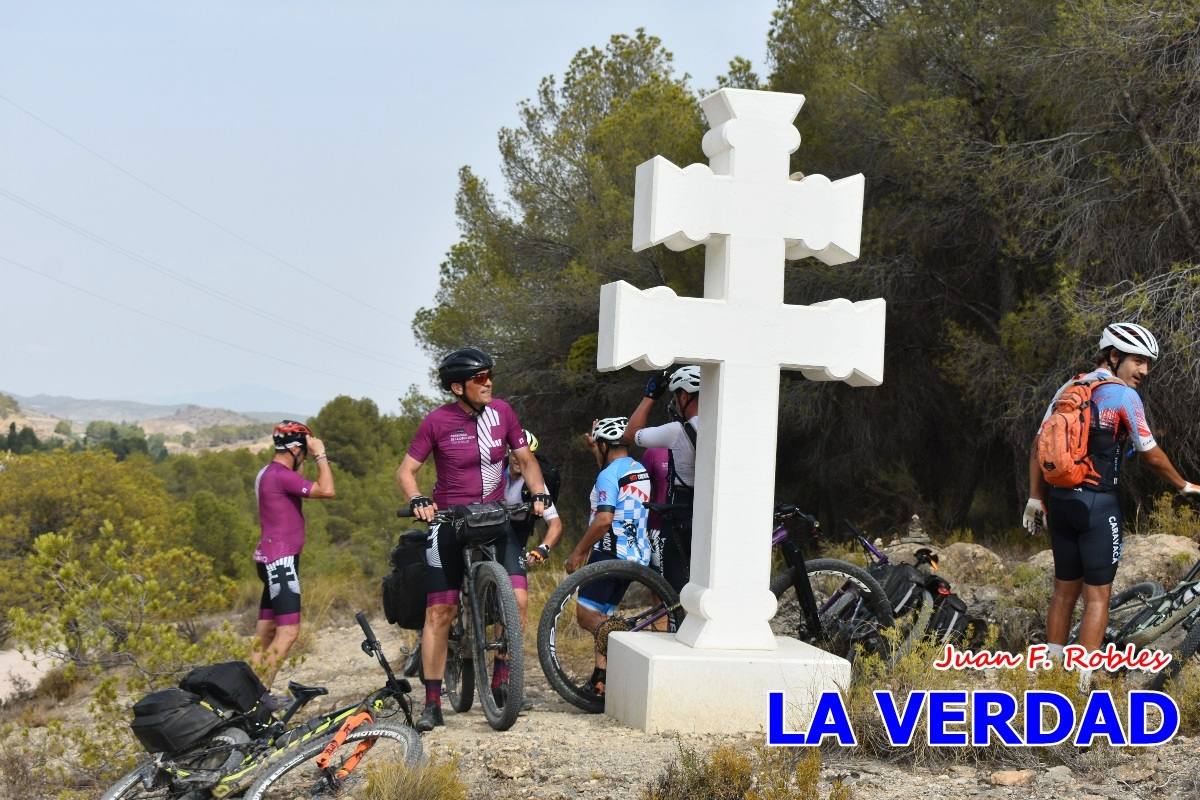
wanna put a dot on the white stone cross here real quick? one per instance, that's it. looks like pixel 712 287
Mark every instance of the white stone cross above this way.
pixel 751 217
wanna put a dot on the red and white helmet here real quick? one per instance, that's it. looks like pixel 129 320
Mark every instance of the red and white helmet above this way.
pixel 1131 338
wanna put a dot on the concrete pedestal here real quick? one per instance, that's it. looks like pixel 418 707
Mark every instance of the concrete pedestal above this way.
pixel 656 683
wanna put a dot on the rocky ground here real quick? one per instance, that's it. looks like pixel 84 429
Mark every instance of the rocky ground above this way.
pixel 557 752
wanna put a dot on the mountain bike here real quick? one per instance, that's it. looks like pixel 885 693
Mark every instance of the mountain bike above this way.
pixel 277 761
pixel 487 631
pixel 826 602
pixel 1167 620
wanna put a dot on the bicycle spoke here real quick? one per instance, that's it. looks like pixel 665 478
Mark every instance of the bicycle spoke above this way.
pixel 573 634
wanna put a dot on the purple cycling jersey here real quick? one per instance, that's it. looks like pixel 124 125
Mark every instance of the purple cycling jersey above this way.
pixel 468 452
pixel 279 491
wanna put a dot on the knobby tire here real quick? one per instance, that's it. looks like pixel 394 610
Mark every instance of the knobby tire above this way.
pixel 299 774
pixel 571 682
pixel 494 604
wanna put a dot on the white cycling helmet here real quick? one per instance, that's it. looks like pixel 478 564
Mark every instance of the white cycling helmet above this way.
pixel 1131 338
pixel 610 429
pixel 687 379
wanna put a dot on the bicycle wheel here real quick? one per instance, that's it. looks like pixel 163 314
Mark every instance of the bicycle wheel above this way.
pixel 131 785
pixel 459 676
pixel 914 623
pixel 299 776
pixel 499 658
pixel 220 753
pixel 1126 610
pixel 1181 657
pixel 568 653
pixel 853 608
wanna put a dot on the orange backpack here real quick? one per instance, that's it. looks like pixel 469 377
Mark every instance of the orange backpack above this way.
pixel 1063 439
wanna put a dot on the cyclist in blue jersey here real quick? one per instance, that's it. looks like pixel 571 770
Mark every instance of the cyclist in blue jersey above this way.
pixel 617 528
pixel 1085 521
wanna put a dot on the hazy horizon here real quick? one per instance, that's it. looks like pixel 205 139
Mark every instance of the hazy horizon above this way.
pixel 325 140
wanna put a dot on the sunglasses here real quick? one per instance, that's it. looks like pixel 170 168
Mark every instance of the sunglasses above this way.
pixel 482 378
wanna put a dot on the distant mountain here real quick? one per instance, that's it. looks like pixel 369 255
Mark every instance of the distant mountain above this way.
pixel 189 415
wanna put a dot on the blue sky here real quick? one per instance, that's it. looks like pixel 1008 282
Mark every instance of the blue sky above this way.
pixel 328 135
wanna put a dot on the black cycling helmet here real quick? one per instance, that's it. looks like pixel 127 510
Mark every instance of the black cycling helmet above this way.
pixel 290 432
pixel 459 366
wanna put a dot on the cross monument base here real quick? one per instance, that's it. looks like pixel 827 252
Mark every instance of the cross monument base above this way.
pixel 656 683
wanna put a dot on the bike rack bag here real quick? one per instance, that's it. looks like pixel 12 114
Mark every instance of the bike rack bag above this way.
pixel 902 584
pixel 173 720
pixel 404 587
pixel 231 685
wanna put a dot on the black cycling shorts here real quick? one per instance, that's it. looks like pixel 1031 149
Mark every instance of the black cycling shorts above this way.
pixel 443 580
pixel 280 601
pixel 1085 534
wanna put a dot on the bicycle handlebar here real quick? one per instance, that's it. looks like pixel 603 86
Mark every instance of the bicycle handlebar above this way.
pixel 513 510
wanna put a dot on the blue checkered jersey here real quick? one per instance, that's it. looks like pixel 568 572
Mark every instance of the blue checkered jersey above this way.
pixel 623 487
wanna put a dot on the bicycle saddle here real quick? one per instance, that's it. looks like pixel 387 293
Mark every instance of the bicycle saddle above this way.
pixel 302 692
pixel 667 508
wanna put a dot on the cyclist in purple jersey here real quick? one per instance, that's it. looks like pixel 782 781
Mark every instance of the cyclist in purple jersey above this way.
pixel 1085 521
pixel 280 488
pixel 657 461
pixel 469 440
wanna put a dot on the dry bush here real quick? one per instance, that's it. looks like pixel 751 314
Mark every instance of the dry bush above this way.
pixel 1177 519
pixel 433 781
pixel 727 773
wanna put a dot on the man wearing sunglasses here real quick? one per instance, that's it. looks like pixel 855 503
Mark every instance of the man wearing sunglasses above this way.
pixel 469 439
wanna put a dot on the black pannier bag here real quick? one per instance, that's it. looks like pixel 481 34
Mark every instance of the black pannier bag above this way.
pixel 173 720
pixel 231 684
pixel 404 586
pixel 481 523
pixel 950 621
pixel 902 584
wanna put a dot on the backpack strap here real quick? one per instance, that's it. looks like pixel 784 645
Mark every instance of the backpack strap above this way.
pixel 691 432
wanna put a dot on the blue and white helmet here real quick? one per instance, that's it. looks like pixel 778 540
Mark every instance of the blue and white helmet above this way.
pixel 1131 338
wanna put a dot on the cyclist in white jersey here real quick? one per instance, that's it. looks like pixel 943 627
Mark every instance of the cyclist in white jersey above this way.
pixel 679 437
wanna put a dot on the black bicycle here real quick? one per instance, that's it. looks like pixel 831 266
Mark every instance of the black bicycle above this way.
pixel 486 633
pixel 259 759
pixel 829 603
pixel 1146 615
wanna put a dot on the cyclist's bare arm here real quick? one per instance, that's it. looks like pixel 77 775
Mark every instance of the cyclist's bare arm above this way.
pixel 554 530
pixel 406 479
pixel 1036 482
pixel 1161 465
pixel 532 471
pixel 601 523
pixel 323 487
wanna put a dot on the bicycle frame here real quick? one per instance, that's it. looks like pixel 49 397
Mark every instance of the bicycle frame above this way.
pixel 794 557
pixel 1169 609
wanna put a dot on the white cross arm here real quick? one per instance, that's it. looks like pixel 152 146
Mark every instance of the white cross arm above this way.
pixel 836 340
pixel 684 207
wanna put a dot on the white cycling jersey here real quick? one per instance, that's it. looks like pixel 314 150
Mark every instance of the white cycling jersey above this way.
pixel 673 436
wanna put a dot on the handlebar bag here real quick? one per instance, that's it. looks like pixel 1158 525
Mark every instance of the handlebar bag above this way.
pixel 173 720
pixel 481 523
pixel 404 587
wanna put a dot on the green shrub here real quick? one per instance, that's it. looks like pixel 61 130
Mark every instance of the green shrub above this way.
pixel 129 612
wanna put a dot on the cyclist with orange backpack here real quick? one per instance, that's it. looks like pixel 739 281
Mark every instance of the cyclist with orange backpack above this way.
pixel 1074 470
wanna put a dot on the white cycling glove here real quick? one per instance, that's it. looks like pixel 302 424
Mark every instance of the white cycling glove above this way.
pixel 1035 516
